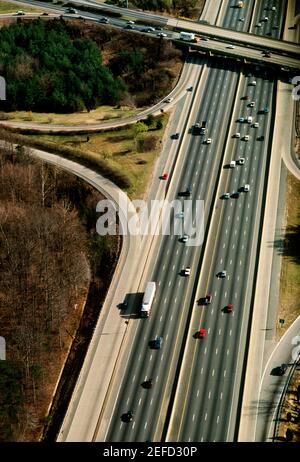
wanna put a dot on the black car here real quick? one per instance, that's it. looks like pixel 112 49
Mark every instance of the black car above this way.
pixel 283 369
pixel 129 26
pixel 187 192
pixel 127 417
pixel 235 195
pixel 175 136
pixel 147 383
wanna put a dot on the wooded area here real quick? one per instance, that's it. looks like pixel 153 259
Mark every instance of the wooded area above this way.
pixel 49 69
pixel 184 7
pixel 47 247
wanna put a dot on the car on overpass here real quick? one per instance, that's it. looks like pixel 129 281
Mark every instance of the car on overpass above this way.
pixel 71 11
pixel 184 238
pixel 148 29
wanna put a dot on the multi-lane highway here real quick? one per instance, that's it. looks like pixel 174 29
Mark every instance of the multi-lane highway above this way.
pixel 207 398
pixel 198 383
pixel 210 372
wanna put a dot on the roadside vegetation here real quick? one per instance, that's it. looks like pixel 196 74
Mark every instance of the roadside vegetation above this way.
pixel 51 261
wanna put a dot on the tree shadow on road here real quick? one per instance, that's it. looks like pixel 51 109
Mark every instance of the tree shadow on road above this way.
pixel 288 245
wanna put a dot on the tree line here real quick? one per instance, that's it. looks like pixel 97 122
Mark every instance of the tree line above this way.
pixel 49 69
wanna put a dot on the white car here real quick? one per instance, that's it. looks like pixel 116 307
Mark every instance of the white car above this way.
pixel 130 22
pixel 226 195
pixel 252 104
pixel 246 188
pixel 237 135
pixel 20 13
pixel 256 125
pixel 161 34
pixel 185 238
pixel 240 161
pixel 232 164
pixel 242 19
pixel 250 119
pixel 187 271
pixel 246 137
pixel 231 47
pixel 207 141
pixel 258 24
pixel 180 215
pixel 168 100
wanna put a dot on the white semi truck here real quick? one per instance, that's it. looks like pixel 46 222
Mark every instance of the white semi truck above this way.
pixel 187 36
pixel 148 299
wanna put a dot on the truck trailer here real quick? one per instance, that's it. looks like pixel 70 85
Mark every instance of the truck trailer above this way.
pixel 187 36
pixel 148 299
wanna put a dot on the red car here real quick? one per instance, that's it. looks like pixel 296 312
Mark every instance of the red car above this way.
pixel 229 308
pixel 201 333
pixel 165 176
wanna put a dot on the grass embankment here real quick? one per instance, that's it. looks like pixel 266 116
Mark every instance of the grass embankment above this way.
pixel 125 152
pixel 7 7
pixel 289 302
